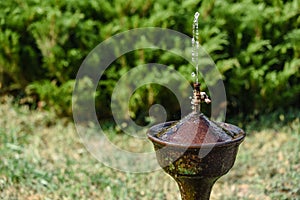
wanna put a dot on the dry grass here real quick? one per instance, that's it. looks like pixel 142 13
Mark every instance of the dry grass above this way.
pixel 42 157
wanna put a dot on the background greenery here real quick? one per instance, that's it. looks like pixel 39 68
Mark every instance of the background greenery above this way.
pixel 255 44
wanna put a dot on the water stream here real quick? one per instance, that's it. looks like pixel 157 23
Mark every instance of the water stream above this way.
pixel 195 47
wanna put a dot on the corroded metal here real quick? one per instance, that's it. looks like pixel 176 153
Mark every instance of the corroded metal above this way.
pixel 195 173
pixel 198 98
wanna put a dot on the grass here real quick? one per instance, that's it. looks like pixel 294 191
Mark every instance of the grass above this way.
pixel 42 157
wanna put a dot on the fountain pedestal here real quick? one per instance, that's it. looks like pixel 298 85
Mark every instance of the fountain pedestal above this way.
pixel 196 167
pixel 195 187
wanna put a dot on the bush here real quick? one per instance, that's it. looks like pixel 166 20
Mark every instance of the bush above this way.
pixel 254 43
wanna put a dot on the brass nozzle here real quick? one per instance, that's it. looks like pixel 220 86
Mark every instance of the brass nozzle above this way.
pixel 199 97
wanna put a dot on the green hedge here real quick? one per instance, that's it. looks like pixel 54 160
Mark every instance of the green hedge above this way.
pixel 255 44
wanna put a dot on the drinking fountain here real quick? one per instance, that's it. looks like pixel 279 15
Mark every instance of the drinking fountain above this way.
pixel 195 151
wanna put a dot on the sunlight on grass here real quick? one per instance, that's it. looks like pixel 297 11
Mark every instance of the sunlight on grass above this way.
pixel 42 157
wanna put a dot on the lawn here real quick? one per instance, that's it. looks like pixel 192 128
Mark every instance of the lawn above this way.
pixel 42 157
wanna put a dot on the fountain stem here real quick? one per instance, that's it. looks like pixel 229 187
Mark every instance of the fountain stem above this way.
pixel 198 97
pixel 195 188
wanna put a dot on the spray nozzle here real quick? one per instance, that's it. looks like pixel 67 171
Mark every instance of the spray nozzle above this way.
pixel 199 97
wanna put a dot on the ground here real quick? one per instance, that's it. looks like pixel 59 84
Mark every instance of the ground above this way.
pixel 42 157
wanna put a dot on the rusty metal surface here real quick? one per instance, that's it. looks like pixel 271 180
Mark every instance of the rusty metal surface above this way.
pixel 195 174
pixel 195 129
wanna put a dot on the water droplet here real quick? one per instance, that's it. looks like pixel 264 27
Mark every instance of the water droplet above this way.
pixel 196 16
pixel 193 74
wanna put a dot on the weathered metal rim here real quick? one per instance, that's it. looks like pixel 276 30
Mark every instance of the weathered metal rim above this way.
pixel 154 130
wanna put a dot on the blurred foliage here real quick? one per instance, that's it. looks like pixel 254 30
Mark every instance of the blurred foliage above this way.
pixel 254 43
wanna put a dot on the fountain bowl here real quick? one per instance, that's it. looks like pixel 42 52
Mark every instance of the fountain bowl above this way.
pixel 195 167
